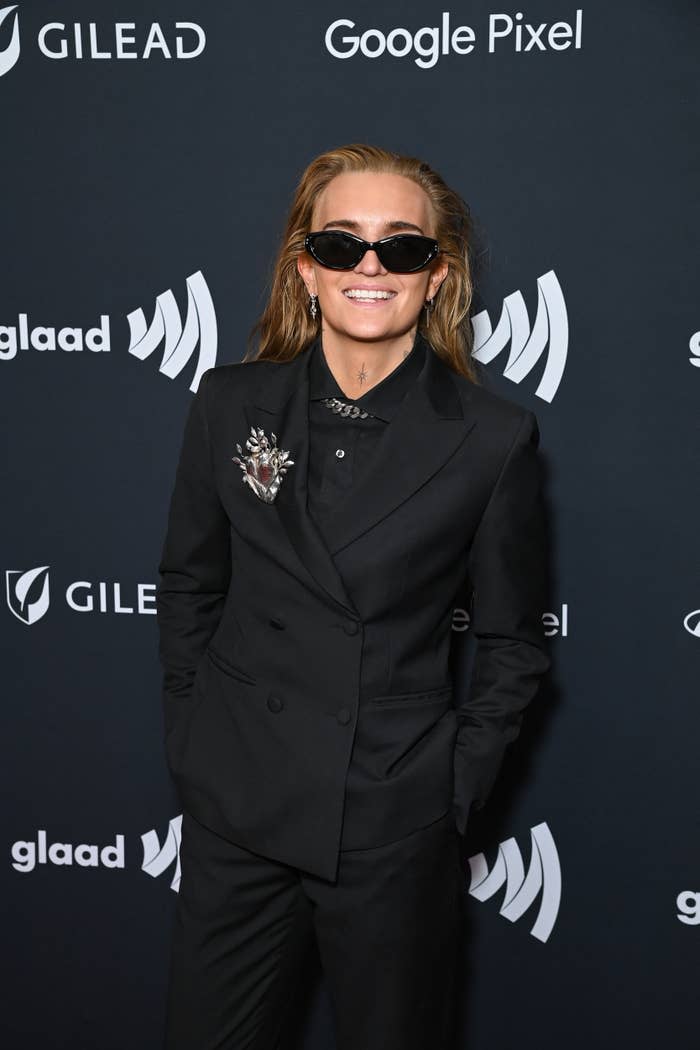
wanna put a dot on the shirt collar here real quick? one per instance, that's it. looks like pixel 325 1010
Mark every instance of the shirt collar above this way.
pixel 381 400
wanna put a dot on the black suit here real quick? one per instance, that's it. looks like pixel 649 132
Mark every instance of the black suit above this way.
pixel 280 653
pixel 309 710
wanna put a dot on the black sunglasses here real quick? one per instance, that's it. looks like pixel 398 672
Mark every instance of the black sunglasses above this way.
pixel 403 253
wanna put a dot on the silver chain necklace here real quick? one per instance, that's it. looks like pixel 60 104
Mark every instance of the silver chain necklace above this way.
pixel 345 409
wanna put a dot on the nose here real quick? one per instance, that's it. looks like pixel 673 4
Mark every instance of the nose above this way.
pixel 369 264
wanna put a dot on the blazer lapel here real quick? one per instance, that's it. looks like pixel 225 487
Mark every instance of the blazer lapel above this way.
pixel 284 398
pixel 427 429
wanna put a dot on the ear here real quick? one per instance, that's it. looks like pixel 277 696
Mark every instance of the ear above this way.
pixel 437 276
pixel 306 269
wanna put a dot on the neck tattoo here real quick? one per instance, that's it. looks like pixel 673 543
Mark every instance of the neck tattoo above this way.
pixel 362 375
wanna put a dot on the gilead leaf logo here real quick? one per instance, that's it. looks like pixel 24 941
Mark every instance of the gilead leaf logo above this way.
pixel 543 876
pixel 28 593
pixel 10 54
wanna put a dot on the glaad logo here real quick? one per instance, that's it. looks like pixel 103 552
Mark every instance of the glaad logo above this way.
pixel 25 606
pixel 694 345
pixel 526 345
pixel 692 623
pixel 543 874
pixel 28 595
pixel 180 343
pixel 119 40
pixel 9 56
pixel 26 855
pixel 45 338
pixel 157 858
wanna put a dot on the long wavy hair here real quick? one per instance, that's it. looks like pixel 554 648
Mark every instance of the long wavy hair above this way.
pixel 286 327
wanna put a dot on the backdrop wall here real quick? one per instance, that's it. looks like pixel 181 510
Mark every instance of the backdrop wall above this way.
pixel 149 153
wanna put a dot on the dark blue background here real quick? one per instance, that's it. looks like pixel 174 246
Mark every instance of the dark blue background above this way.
pixel 121 178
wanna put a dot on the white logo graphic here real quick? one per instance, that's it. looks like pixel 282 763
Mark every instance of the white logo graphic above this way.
pixel 18 584
pixel 119 40
pixel 157 858
pixel 46 338
pixel 694 345
pixel 82 596
pixel 543 874
pixel 429 43
pixel 8 57
pixel 692 623
pixel 180 343
pixel 26 855
pixel 688 904
pixel 74 42
pixel 527 346
pixel 556 623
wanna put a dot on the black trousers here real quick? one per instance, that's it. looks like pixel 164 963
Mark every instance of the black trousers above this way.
pixel 387 931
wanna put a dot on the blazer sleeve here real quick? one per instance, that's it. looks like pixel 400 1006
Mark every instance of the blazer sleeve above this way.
pixel 508 570
pixel 195 565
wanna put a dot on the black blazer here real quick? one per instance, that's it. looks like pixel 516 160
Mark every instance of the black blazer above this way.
pixel 308 702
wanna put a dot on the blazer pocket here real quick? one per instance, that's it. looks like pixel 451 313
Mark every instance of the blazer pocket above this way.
pixel 230 669
pixel 423 696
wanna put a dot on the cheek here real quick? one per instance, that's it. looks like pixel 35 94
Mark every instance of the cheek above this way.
pixel 326 282
pixel 416 292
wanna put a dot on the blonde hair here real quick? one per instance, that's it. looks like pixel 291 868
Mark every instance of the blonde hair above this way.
pixel 286 328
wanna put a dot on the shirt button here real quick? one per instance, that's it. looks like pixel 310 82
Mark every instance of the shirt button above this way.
pixel 351 627
pixel 344 716
pixel 274 703
pixel 340 453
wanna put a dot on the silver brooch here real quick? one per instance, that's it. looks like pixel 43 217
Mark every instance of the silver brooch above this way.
pixel 265 467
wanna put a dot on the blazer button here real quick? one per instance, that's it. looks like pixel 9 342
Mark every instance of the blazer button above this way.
pixel 277 623
pixel 351 627
pixel 274 703
pixel 344 716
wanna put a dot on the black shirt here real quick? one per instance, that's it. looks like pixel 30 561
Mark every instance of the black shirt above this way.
pixel 339 446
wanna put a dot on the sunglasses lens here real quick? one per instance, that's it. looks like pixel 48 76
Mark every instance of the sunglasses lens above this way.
pixel 336 250
pixel 407 253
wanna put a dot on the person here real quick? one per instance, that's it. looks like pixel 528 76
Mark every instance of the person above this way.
pixel 335 490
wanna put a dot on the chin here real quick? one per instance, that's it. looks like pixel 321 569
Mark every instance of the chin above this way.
pixel 370 331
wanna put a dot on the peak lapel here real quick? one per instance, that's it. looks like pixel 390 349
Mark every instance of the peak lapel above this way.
pixel 280 405
pixel 427 429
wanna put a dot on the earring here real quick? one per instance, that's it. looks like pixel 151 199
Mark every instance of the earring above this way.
pixel 313 299
pixel 428 311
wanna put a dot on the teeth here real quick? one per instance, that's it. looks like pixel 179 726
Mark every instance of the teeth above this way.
pixel 365 293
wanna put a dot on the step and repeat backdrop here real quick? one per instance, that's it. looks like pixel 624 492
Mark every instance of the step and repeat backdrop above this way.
pixel 149 152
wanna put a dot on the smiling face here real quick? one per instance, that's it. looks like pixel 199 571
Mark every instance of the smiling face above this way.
pixel 369 303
